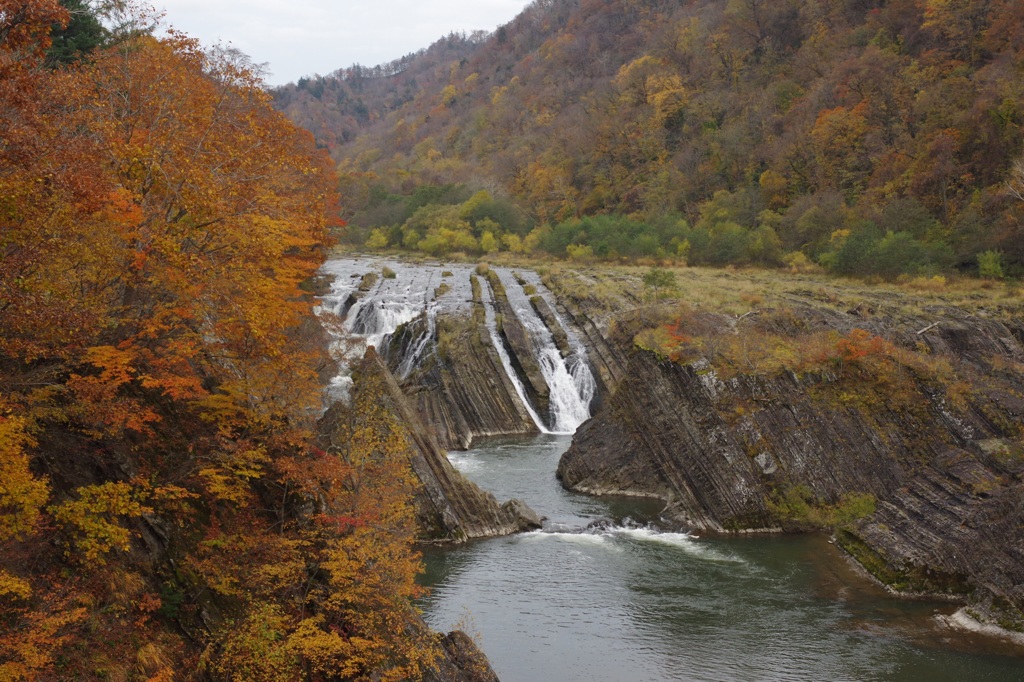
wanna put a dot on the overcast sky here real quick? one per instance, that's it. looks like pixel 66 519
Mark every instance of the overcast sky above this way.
pixel 303 37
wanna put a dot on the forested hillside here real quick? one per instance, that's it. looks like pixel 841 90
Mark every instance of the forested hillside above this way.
pixel 867 136
pixel 164 513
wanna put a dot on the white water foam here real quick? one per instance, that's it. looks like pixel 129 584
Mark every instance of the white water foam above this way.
pixel 464 463
pixel 685 541
pixel 426 337
pixel 569 394
pixel 579 538
pixel 490 320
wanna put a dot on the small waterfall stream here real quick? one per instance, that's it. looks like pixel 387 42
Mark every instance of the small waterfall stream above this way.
pixel 422 343
pixel 571 384
pixel 579 367
pixel 490 319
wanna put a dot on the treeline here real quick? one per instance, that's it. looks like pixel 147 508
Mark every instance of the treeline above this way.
pixel 357 71
pixel 852 129
pixel 733 228
pixel 165 511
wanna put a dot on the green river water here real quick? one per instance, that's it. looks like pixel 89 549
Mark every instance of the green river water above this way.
pixel 628 603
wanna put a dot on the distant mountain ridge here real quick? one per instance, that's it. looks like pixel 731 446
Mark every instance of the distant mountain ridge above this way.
pixel 831 123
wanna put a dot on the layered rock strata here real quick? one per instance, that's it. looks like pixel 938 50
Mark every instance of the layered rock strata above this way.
pixel 724 454
pixel 462 390
pixel 522 352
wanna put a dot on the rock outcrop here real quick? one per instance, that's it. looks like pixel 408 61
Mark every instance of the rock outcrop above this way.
pixel 449 508
pixel 462 389
pixel 945 474
pixel 520 347
pixel 461 661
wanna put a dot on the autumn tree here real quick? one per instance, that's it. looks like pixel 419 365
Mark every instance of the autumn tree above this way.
pixel 157 218
pixel 365 623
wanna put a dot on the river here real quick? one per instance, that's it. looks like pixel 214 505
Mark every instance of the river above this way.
pixel 622 602
pixel 627 603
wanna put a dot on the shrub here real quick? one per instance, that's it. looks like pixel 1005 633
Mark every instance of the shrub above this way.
pixel 990 264
pixel 378 239
pixel 659 280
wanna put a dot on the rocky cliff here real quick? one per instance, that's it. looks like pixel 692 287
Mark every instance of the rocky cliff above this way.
pixel 914 456
pixel 449 508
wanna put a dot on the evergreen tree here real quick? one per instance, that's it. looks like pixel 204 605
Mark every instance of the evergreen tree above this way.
pixel 83 34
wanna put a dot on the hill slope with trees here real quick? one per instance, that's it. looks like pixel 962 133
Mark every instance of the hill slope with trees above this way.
pixel 869 136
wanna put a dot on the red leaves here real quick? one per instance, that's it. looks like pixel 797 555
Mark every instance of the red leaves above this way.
pixel 25 29
pixel 856 347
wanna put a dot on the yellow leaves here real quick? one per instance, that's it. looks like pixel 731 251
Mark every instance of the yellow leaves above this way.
pixel 647 80
pixel 21 493
pixel 668 97
pixel 838 139
pixel 228 478
pixel 13 586
pixel 449 95
pixel 27 650
pixel 256 649
pixel 92 519
pixel 323 650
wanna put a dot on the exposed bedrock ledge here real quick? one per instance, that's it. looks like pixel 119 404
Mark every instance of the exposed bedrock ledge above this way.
pixel 462 390
pixel 461 661
pixel 950 507
pixel 449 508
pixel 607 361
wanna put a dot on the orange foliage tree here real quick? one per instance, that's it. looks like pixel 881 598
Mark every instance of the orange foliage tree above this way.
pixel 157 218
pixel 357 622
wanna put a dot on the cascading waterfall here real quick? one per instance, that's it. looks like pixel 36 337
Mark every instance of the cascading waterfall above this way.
pixel 571 384
pixel 375 316
pixel 490 320
pixel 579 367
pixel 412 359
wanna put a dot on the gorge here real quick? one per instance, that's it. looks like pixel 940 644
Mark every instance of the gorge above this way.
pixel 906 472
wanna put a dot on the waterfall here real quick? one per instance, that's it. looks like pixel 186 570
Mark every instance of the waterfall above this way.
pixel 571 384
pixel 375 316
pixel 578 364
pixel 393 301
pixel 419 347
pixel 490 320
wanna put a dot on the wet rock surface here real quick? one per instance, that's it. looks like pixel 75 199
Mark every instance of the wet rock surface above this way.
pixel 461 661
pixel 463 392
